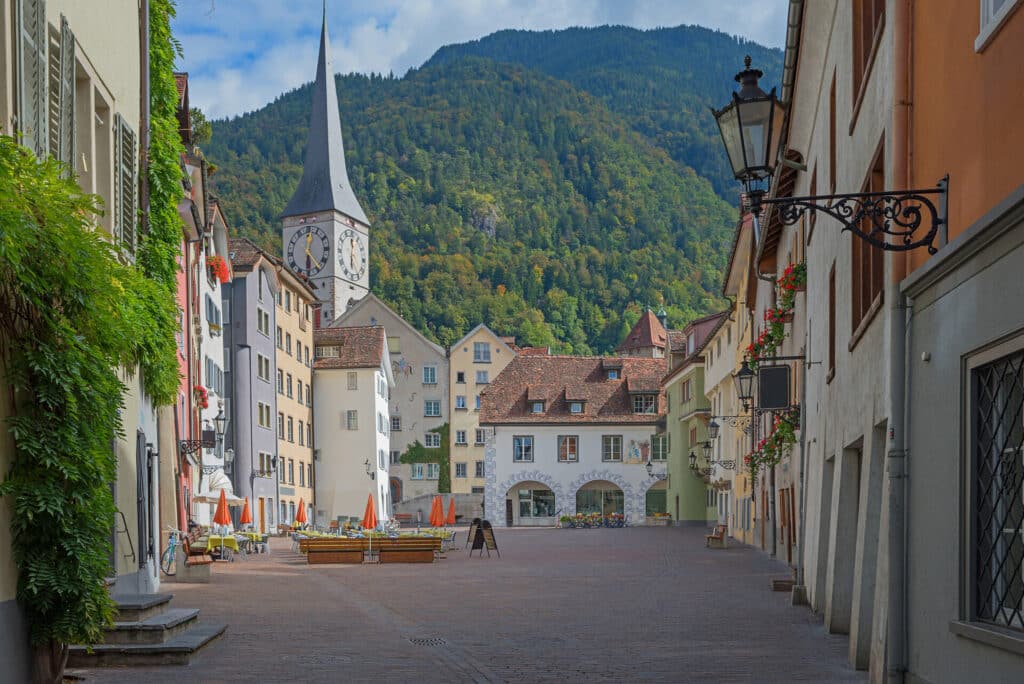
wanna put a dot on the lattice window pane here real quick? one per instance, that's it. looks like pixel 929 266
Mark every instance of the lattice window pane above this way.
pixel 998 435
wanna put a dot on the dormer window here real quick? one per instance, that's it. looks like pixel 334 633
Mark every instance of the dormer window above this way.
pixel 576 407
pixel 325 352
pixel 537 407
pixel 645 403
pixel 613 373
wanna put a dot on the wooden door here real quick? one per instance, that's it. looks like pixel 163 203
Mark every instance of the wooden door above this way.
pixel 263 517
pixel 508 513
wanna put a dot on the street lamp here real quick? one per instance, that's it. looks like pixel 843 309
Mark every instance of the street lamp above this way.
pixel 751 128
pixel 713 429
pixel 693 461
pixel 220 424
pixel 744 379
pixel 707 452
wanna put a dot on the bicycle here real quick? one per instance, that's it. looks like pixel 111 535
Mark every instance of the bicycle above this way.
pixel 167 560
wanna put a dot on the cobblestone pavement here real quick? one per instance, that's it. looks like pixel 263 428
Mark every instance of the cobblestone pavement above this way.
pixel 609 605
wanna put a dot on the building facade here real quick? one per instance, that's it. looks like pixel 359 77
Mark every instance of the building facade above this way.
pixel 573 435
pixel 474 361
pixel 352 379
pixel 251 357
pixel 294 378
pixel 418 407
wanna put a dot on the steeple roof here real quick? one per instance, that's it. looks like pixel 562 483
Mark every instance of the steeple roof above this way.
pixel 325 185
pixel 648 332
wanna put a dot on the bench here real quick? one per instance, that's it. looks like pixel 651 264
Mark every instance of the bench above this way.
pixel 717 537
pixel 403 518
pixel 320 551
pixel 408 550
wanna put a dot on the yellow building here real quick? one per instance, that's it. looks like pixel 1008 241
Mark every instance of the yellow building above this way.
pixel 294 395
pixel 474 361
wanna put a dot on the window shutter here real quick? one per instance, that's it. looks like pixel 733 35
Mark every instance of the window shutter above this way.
pixel 32 76
pixel 125 181
pixel 61 97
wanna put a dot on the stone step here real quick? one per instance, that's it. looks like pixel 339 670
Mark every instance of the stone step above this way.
pixel 178 651
pixel 155 629
pixel 136 607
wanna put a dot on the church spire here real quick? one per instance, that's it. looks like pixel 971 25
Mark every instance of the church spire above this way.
pixel 325 185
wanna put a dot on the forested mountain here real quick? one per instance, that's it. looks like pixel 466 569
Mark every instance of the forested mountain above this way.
pixel 497 194
pixel 661 81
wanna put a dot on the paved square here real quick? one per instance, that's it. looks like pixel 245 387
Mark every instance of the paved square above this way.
pixel 608 605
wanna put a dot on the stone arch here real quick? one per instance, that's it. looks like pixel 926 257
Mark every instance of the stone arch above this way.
pixel 496 503
pixel 628 497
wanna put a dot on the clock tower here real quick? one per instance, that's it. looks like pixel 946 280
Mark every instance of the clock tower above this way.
pixel 325 232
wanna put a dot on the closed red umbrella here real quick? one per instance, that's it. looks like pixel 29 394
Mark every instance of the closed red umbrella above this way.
pixel 246 517
pixel 450 520
pixel 370 516
pixel 300 513
pixel 221 516
pixel 436 512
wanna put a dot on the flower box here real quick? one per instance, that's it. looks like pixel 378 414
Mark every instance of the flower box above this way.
pixel 657 521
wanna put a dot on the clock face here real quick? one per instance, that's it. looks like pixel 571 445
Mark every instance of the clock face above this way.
pixel 308 250
pixel 352 254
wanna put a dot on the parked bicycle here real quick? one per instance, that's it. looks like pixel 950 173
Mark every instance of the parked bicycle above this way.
pixel 167 560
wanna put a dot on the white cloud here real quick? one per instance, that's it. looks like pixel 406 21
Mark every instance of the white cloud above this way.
pixel 241 55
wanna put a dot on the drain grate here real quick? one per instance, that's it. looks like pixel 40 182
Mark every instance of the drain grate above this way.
pixel 429 642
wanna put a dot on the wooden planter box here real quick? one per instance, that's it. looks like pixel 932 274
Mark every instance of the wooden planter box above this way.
pixel 657 522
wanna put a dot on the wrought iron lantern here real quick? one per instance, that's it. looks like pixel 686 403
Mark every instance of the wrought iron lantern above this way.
pixel 707 452
pixel 751 128
pixel 744 379
pixel 220 424
pixel 693 461
pixel 713 429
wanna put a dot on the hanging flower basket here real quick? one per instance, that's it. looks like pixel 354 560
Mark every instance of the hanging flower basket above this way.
pixel 202 397
pixel 219 268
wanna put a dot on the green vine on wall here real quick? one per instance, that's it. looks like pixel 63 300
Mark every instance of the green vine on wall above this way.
pixel 417 453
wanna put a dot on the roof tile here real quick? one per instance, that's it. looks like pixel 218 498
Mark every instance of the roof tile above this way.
pixel 358 346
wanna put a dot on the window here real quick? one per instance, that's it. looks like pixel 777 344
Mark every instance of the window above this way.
pixel 309 395
pixel 537 407
pixel 611 448
pixel 522 449
pixel 284 508
pixel 477 400
pixel 417 471
pixel 460 402
pixel 308 314
pixel 291 470
pixel 298 390
pixel 382 424
pixel 659 447
pixel 686 391
pixel 302 434
pixel 576 407
pixel 263 415
pixel 460 377
pixel 432 440
pixel 867 262
pixel 327 352
pixel 396 423
pixel 309 435
pixel 996 491
pixel 291 429
pixel 460 437
pixel 352 419
pixel 831 322
pixel 536 503
pixel 396 457
pixel 481 352
pixel 280 338
pixel 568 448
pixel 302 474
pixel 478 490
pixel 288 344
pixel 645 403
pixel 309 474
pixel 125 207
pixel 693 437
pixel 480 469
pixel 382 459
pixel 433 471
pixel 263 322
pixel 280 426
pixel 460 470
pixel 432 408
pixel 395 345
pixel 613 374
pixel 481 377
pixel 430 375
pixel 832 136
pixel 280 381
pixel 993 15
pixel 287 300
pixel 280 472
pixel 481 436
pixel 33 108
pixel 307 354
pixel 868 22
pixel 288 384
pixel 353 381
pixel 259 292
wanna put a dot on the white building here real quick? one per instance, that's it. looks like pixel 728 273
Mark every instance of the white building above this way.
pixel 352 379
pixel 573 434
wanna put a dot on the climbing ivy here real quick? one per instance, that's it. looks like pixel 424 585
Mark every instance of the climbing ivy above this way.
pixel 417 453
pixel 72 317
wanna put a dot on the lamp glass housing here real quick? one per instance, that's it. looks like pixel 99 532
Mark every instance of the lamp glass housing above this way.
pixel 744 379
pixel 693 461
pixel 713 429
pixel 220 423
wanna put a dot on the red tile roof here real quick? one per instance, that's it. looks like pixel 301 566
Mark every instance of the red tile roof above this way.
pixel 648 332
pixel 557 380
pixel 244 254
pixel 676 341
pixel 358 346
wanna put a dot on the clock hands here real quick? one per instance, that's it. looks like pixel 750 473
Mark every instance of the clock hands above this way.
pixel 309 255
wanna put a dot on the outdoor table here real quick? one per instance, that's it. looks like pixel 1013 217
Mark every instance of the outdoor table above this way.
pixel 215 542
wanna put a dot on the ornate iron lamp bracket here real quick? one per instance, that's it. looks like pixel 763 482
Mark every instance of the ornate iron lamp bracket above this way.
pixel 886 220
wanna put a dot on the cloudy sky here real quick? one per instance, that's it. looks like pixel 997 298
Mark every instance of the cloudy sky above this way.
pixel 241 54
